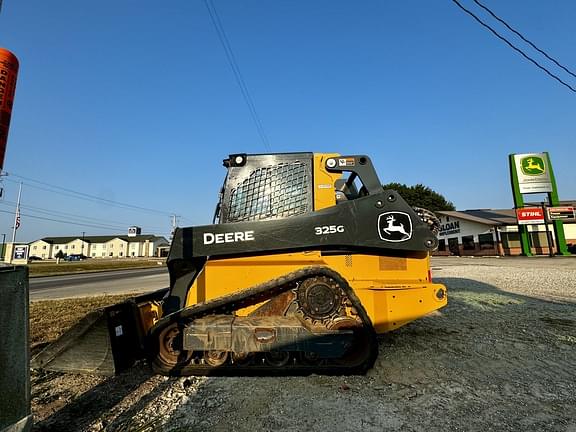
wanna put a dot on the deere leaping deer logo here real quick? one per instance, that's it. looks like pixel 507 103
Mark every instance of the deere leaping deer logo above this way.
pixel 532 166
pixel 395 226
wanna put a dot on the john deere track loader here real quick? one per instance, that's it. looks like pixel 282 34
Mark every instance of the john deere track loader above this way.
pixel 307 260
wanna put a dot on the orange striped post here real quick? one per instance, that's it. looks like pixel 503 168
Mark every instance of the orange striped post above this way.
pixel 8 75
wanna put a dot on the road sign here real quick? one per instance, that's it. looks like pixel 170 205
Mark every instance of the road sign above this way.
pixel 530 215
pixel 561 213
pixel 20 252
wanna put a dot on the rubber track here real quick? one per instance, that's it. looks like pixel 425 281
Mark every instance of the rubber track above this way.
pixel 251 296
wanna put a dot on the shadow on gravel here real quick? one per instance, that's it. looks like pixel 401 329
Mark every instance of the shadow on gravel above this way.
pixel 89 407
pixel 491 359
pixel 483 323
pixel 468 295
pixel 458 285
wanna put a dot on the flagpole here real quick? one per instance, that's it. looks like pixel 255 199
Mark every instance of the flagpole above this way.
pixel 16 216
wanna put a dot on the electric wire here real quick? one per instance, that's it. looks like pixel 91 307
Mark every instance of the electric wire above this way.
pixel 215 17
pixel 81 195
pixel 518 50
pixel 517 33
pixel 80 218
pixel 102 227
pixel 225 42
pixel 94 226
pixel 74 219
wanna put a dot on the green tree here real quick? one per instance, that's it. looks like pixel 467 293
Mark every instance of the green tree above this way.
pixel 421 196
pixel 59 254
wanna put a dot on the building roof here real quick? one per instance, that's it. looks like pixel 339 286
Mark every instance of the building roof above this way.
pixel 496 216
pixel 564 203
pixel 102 239
pixel 485 216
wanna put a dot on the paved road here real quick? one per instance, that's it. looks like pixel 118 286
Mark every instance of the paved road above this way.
pixel 87 284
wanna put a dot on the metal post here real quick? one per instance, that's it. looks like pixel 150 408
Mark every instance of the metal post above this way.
pixel 519 203
pixel 554 200
pixel 548 234
pixel 83 233
pixel 3 246
pixel 15 413
pixel 499 245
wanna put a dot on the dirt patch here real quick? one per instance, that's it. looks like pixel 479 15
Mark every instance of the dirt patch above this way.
pixel 501 356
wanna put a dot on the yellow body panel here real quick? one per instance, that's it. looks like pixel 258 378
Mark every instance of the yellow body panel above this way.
pixel 324 194
pixel 392 297
pixel 394 290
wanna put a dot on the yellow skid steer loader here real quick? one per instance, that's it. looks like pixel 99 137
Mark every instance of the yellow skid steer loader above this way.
pixel 307 260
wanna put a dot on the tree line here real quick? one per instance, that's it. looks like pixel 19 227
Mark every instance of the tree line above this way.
pixel 421 196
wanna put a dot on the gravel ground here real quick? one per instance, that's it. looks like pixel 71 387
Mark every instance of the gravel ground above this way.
pixel 501 356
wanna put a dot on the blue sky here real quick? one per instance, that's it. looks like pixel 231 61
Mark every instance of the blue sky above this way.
pixel 135 102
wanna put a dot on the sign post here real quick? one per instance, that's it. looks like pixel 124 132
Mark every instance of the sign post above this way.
pixel 548 235
pixel 532 173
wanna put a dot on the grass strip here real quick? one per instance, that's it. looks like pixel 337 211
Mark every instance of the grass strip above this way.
pixel 50 268
pixel 49 319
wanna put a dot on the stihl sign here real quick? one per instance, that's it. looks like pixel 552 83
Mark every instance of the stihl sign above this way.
pixel 530 215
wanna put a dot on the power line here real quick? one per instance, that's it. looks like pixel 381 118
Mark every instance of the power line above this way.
pixel 215 18
pixel 104 227
pixel 518 50
pixel 517 33
pixel 78 218
pixel 68 216
pixel 84 196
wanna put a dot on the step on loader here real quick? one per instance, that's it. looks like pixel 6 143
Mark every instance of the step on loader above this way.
pixel 307 260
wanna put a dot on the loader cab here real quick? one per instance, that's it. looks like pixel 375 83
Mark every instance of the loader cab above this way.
pixel 274 186
pixel 265 187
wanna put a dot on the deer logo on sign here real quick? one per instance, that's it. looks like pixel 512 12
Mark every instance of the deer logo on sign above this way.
pixel 532 166
pixel 395 226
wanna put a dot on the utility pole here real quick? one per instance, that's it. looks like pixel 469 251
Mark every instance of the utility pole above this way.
pixel 83 233
pixel 3 246
pixel 174 225
pixel 16 216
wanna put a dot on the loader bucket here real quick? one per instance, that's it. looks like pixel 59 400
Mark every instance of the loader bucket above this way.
pixel 104 342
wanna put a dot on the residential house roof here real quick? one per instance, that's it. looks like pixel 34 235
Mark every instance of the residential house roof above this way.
pixel 103 239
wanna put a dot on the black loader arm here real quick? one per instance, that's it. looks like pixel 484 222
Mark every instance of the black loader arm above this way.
pixel 381 221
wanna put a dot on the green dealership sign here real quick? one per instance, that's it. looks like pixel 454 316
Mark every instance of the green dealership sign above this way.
pixel 532 173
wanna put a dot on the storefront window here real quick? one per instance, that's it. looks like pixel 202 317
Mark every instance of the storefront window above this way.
pixel 468 243
pixel 486 241
pixel 442 245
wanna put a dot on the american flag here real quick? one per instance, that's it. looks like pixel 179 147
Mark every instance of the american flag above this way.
pixel 17 225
